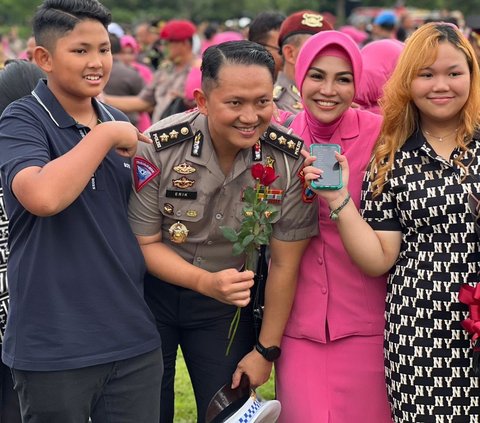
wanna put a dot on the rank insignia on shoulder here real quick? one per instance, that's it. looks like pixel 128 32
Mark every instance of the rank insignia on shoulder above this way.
pixel 277 92
pixel 166 137
pixel 288 143
pixel 143 172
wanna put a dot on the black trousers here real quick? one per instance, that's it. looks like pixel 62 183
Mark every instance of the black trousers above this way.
pixel 124 391
pixel 199 325
pixel 9 406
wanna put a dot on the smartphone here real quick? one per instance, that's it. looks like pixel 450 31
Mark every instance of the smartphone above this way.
pixel 325 160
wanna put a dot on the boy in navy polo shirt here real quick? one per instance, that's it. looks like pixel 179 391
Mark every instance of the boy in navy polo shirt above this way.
pixel 80 339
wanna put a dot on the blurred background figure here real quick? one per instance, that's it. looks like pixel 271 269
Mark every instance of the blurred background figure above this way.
pixel 194 78
pixel 383 26
pixel 379 60
pixel 129 56
pixel 116 29
pixel 165 94
pixel 15 42
pixel 264 30
pixel 17 79
pixel 27 54
pixel 148 36
pixel 124 79
pixel 209 31
pixel 473 25
pixel 355 34
pixel 406 26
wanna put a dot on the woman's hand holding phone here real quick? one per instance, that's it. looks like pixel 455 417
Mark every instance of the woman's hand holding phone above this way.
pixel 312 173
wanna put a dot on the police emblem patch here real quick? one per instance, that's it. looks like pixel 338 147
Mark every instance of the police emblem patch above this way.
pixel 143 172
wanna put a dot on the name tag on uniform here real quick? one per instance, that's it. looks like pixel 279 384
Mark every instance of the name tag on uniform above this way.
pixel 187 195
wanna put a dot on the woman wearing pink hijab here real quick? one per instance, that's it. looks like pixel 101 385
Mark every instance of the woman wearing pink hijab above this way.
pixel 331 368
pixel 379 60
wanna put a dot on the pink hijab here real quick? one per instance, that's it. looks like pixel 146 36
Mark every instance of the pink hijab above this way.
pixel 328 42
pixel 379 60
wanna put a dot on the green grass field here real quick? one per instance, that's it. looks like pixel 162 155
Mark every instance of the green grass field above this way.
pixel 185 410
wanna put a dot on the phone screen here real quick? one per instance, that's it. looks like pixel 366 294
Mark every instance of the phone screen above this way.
pixel 325 160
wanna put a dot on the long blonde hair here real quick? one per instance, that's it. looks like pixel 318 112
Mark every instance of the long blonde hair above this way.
pixel 401 114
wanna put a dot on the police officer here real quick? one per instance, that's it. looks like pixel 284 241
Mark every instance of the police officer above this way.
pixel 294 31
pixel 188 184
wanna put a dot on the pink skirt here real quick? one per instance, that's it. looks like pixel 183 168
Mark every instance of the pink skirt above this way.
pixel 339 382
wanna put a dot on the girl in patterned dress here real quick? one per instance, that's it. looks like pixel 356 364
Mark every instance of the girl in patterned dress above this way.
pixel 417 227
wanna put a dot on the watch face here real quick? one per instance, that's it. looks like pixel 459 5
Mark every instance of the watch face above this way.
pixel 272 353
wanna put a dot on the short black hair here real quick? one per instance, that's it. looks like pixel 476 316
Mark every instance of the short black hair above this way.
pixel 18 79
pixel 262 24
pixel 233 53
pixel 54 18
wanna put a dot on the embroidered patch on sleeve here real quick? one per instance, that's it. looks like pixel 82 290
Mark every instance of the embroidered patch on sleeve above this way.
pixel 143 172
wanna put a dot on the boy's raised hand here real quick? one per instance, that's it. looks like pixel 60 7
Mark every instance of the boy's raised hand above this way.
pixel 124 137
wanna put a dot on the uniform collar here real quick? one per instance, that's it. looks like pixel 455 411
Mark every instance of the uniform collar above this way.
pixel 55 110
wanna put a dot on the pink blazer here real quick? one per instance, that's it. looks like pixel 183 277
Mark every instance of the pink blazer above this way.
pixel 331 289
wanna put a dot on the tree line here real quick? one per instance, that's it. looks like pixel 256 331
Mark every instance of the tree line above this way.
pixel 130 12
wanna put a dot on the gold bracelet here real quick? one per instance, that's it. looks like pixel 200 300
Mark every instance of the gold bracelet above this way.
pixel 334 213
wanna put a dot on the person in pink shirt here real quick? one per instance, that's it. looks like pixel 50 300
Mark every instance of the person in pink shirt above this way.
pixel 130 50
pixel 331 368
pixel 379 60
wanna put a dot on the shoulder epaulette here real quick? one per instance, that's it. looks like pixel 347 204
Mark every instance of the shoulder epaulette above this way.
pixel 288 143
pixel 278 90
pixel 171 135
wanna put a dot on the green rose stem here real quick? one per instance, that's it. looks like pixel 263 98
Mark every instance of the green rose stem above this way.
pixel 255 230
pixel 251 257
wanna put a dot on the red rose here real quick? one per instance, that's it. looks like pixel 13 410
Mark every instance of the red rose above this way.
pixel 268 176
pixel 265 174
pixel 257 171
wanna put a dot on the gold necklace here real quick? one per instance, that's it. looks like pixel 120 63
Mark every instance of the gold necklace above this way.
pixel 90 121
pixel 440 139
pixel 94 115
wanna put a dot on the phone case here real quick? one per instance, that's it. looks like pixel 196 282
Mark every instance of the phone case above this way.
pixel 332 172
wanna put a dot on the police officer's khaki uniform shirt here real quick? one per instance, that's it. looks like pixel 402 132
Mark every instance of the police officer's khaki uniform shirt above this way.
pixel 286 95
pixel 166 80
pixel 183 182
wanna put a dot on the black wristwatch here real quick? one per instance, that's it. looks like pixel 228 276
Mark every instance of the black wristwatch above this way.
pixel 270 353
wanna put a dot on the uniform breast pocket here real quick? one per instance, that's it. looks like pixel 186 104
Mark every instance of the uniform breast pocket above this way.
pixel 190 213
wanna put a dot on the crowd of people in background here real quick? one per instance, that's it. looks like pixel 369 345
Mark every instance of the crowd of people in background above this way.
pixel 362 303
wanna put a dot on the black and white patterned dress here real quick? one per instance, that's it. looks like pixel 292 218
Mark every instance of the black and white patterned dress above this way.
pixel 427 353
pixel 3 266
